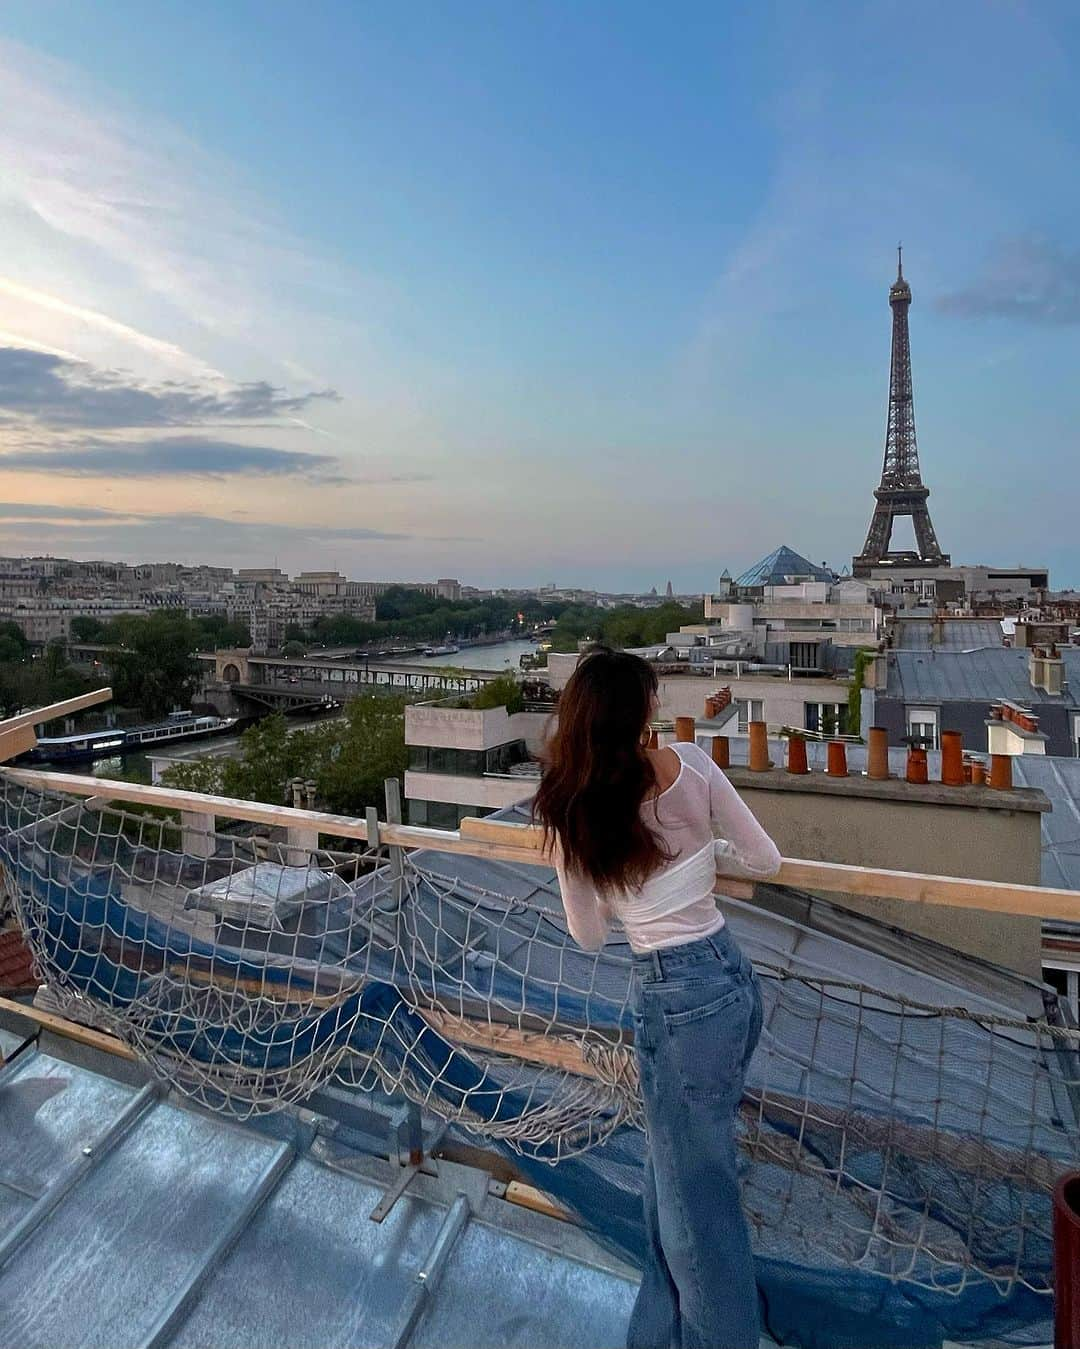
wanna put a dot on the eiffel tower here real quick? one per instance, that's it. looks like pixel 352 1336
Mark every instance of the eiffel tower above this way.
pixel 901 491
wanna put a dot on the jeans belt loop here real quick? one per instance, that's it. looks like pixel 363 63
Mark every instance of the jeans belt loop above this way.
pixel 658 968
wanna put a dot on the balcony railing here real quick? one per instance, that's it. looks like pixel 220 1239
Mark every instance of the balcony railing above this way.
pixel 501 840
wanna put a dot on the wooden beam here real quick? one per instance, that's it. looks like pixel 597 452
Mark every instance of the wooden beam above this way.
pixel 16 742
pixel 916 888
pixel 502 832
pixel 39 716
pixel 136 793
pixel 528 1196
pixel 545 1051
pixel 500 841
pixel 84 1035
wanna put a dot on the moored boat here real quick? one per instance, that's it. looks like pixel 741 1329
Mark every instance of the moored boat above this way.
pixel 88 746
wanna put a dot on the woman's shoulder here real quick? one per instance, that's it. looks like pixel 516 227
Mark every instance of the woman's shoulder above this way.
pixel 690 752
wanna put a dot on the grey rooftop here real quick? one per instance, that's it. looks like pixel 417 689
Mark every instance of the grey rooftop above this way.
pixel 983 675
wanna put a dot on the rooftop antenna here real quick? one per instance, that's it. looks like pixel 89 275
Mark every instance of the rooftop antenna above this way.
pixel 900 262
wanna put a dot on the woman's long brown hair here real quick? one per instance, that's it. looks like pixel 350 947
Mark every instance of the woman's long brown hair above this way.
pixel 597 773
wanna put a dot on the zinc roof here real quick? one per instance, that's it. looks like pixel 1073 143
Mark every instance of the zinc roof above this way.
pixel 983 675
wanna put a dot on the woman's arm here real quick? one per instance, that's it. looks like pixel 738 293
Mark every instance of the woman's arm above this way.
pixel 588 916
pixel 742 847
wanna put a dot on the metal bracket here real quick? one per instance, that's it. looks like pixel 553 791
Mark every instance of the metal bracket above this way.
pixel 406 1178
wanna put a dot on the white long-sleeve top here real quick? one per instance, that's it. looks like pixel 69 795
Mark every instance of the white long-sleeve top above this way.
pixel 707 827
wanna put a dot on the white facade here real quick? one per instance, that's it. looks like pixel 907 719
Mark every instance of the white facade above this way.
pixel 465 760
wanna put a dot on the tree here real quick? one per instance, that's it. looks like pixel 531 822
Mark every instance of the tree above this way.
pixel 349 759
pixel 214 632
pixel 292 649
pixel 503 691
pixel 269 756
pixel 34 682
pixel 371 748
pixel 203 774
pixel 85 628
pixel 10 650
pixel 157 668
pixel 16 635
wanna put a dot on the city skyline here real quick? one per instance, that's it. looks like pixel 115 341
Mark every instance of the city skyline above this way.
pixel 531 295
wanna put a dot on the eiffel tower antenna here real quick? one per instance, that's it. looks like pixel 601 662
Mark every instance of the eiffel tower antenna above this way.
pixel 901 491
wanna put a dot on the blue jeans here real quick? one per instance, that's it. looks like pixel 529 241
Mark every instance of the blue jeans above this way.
pixel 697 1019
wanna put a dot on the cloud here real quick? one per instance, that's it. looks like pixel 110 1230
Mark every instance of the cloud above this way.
pixel 121 229
pixel 173 457
pixel 88 525
pixel 16 512
pixel 1026 278
pixel 54 391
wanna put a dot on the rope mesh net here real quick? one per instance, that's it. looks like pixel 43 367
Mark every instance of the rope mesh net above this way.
pixel 897 1157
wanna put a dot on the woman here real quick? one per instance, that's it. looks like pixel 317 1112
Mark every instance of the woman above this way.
pixel 638 835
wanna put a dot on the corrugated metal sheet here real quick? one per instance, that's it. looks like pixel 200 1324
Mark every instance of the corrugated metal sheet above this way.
pixel 949 634
pixel 1060 779
pixel 309 1268
pixel 974 676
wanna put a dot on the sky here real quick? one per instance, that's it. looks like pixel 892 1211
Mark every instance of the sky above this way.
pixel 518 293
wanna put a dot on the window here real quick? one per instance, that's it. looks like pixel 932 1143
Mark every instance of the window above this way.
pixel 442 814
pixel 750 709
pixel 804 655
pixel 826 718
pixel 1067 983
pixel 922 727
pixel 504 757
pixel 466 763
pixel 438 759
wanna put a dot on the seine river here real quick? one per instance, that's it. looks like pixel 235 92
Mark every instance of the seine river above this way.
pixel 497 657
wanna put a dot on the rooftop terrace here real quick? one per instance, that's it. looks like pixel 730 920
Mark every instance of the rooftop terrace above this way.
pixel 907 1111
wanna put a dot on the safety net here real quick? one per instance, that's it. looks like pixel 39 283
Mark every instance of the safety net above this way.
pixel 898 1155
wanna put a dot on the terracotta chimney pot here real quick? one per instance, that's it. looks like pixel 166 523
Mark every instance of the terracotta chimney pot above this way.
pixel 1001 772
pixel 796 755
pixel 916 764
pixel 877 762
pixel 759 747
pixel 685 729
pixel 952 758
pixel 836 759
pixel 721 751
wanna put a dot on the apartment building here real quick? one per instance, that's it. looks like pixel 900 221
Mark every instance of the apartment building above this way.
pixel 918 694
pixel 469 761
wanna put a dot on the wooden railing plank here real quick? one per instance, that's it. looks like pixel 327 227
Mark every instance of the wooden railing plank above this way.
pixel 40 715
pixel 15 742
pixel 502 841
pixel 137 793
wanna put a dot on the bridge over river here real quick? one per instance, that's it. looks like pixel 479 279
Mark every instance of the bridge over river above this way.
pixel 302 682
